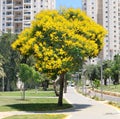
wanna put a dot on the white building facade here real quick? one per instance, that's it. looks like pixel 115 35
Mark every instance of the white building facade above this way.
pixel 15 15
pixel 106 13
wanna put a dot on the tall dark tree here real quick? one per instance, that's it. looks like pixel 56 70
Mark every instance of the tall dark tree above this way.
pixel 11 58
pixel 106 70
pixel 2 73
pixel 116 69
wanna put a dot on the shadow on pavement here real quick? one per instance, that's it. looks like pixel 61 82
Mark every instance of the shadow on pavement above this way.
pixel 75 108
pixel 78 107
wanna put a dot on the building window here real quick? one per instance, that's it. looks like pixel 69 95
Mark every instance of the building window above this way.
pixel 107 41
pixel 27 1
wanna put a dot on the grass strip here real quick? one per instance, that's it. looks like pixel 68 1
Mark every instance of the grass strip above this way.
pixel 38 116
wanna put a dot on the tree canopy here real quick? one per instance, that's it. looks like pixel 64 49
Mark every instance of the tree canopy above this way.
pixel 60 39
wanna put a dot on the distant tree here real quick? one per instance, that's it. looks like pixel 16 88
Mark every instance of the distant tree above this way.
pixel 11 59
pixel 116 69
pixel 94 72
pixel 26 74
pixel 107 70
pixel 2 73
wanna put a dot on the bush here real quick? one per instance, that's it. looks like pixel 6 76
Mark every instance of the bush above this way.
pixel 96 83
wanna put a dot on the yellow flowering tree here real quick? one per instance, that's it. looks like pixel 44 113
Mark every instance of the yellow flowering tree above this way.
pixel 59 40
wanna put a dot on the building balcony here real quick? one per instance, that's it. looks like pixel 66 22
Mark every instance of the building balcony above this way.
pixel 17 31
pixel 9 26
pixel 27 25
pixel 18 19
pixel 18 8
pixel 18 3
pixel 8 20
pixel 16 16
pixel 9 15
pixel 27 1
pixel 9 8
pixel 9 2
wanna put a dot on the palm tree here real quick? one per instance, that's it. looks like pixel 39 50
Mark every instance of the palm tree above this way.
pixel 2 73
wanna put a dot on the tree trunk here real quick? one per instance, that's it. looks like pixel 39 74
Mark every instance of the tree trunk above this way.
pixel 55 86
pixel 105 81
pixel 116 81
pixel 23 90
pixel 8 84
pixel 60 99
pixel 65 85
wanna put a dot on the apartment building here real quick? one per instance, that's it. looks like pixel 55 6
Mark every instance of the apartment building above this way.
pixel 106 13
pixel 15 15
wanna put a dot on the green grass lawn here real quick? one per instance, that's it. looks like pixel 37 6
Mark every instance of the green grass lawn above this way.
pixel 29 93
pixel 36 104
pixel 11 101
pixel 39 116
pixel 111 88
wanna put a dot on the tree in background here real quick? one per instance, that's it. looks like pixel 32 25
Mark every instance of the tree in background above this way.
pixel 116 69
pixel 11 59
pixel 107 70
pixel 26 74
pixel 60 41
pixel 2 73
pixel 93 72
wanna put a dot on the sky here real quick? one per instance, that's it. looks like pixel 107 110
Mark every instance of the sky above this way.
pixel 68 3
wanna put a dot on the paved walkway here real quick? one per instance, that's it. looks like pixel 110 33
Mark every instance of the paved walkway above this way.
pixel 84 108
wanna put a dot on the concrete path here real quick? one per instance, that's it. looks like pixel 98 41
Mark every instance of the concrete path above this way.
pixel 86 108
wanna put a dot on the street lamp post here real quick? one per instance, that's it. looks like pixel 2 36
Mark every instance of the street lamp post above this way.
pixel 101 73
pixel 101 79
